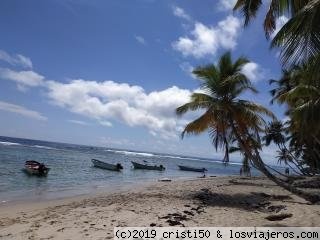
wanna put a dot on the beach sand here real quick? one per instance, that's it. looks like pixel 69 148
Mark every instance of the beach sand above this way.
pixel 211 202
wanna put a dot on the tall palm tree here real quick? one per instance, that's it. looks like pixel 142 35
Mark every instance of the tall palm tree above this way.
pixel 299 90
pixel 299 38
pixel 227 117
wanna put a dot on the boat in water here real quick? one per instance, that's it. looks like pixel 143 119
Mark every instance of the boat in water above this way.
pixel 147 166
pixel 32 167
pixel 112 167
pixel 192 169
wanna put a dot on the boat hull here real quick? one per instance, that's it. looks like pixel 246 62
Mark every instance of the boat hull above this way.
pixel 104 165
pixel 191 169
pixel 147 167
pixel 36 172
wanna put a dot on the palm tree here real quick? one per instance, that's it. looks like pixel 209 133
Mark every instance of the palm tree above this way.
pixel 276 132
pixel 227 117
pixel 299 38
pixel 299 90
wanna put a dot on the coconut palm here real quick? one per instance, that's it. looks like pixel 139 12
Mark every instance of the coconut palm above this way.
pixel 299 38
pixel 299 90
pixel 227 117
pixel 221 87
pixel 276 132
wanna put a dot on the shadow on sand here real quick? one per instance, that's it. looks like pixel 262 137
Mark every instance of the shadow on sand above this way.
pixel 250 202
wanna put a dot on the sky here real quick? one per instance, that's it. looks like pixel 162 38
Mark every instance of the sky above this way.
pixel 111 73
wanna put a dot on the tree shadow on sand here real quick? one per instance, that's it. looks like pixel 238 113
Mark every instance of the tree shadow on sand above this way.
pixel 250 202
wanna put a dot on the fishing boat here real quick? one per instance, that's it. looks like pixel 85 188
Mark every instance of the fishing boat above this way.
pixel 35 168
pixel 192 169
pixel 147 167
pixel 112 167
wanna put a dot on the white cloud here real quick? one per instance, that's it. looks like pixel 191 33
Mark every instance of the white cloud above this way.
pixel 207 40
pixel 9 107
pixel 226 5
pixel 280 22
pixel 106 123
pixel 15 60
pixel 22 78
pixel 78 122
pixel 253 71
pixel 187 68
pixel 140 40
pixel 109 100
pixel 179 12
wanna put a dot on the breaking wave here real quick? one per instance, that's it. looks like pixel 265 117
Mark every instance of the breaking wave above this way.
pixel 9 143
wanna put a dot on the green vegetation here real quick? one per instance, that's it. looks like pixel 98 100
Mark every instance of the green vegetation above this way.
pixel 299 38
pixel 231 120
pixel 299 87
pixel 235 124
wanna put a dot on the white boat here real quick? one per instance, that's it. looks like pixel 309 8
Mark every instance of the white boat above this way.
pixel 147 167
pixel 112 167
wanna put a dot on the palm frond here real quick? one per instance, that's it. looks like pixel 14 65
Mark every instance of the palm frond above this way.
pixel 299 38
pixel 199 125
pixel 198 101
pixel 248 8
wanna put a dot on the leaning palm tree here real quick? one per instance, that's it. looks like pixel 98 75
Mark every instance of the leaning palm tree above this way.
pixel 227 117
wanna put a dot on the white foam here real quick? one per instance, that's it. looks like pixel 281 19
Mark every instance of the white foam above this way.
pixel 44 147
pixel 169 156
pixel 10 143
pixel 132 153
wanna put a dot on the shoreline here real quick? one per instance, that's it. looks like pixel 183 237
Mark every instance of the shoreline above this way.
pixel 91 191
pixel 216 201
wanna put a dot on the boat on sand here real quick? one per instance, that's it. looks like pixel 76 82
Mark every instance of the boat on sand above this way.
pixel 112 167
pixel 147 166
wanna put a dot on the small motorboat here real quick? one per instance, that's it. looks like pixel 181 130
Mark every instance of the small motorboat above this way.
pixel 147 167
pixel 112 167
pixel 192 169
pixel 35 168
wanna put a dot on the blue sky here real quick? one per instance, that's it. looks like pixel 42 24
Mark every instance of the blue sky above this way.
pixel 110 73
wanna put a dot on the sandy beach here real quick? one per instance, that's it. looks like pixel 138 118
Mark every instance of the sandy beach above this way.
pixel 213 201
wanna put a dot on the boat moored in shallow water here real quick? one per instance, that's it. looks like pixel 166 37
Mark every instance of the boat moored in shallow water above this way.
pixel 147 167
pixel 112 167
pixel 192 169
pixel 32 167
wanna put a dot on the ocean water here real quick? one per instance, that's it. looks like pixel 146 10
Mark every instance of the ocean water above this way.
pixel 72 172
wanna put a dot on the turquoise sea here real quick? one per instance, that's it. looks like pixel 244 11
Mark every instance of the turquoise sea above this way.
pixel 72 172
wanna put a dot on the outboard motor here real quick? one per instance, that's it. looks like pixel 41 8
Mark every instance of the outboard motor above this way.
pixel 119 166
pixel 41 168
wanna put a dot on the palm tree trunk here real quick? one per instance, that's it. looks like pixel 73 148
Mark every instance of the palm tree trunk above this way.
pixel 294 170
pixel 259 164
pixel 281 174
pixel 294 161
pixel 313 198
